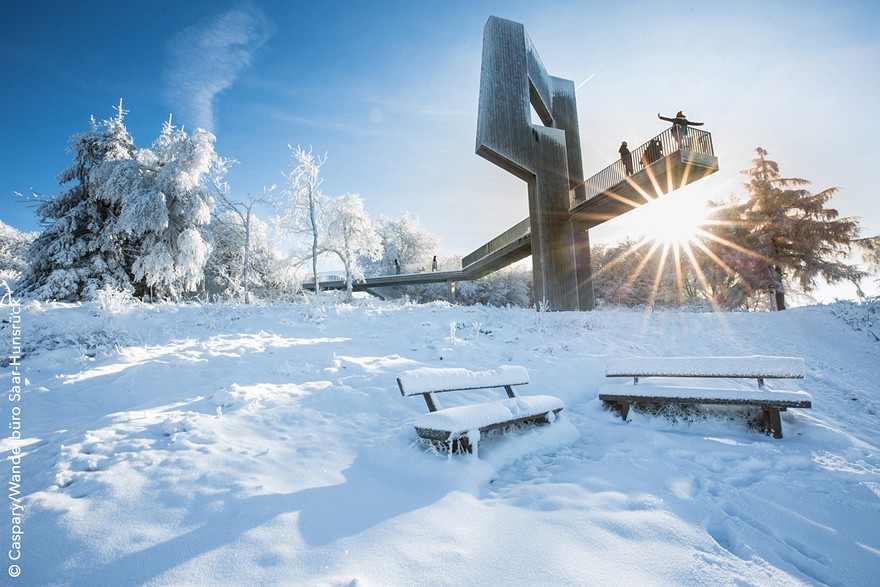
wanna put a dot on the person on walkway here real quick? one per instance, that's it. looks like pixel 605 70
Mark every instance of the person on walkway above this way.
pixel 626 157
pixel 434 263
pixel 680 126
pixel 396 267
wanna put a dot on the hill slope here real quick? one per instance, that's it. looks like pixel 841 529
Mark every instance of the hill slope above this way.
pixel 259 445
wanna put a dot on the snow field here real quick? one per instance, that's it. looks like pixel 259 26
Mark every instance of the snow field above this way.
pixel 271 445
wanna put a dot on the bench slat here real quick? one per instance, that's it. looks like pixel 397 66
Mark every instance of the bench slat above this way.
pixel 759 402
pixel 431 380
pixel 753 367
pixel 674 394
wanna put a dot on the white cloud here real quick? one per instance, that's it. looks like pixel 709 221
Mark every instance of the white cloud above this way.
pixel 205 59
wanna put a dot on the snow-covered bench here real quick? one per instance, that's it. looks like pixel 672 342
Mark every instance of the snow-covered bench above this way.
pixel 771 402
pixel 459 428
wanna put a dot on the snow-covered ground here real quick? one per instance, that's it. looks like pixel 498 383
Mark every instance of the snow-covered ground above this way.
pixel 212 444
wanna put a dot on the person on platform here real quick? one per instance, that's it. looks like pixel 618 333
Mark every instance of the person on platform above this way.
pixel 626 157
pixel 680 126
pixel 653 152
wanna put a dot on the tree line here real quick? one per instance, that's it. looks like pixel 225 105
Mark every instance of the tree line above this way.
pixel 162 223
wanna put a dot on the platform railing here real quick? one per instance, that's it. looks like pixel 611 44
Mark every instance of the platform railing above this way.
pixel 666 143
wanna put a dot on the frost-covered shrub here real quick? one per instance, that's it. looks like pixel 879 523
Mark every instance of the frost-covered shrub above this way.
pixel 112 301
pixel 860 316
pixel 508 287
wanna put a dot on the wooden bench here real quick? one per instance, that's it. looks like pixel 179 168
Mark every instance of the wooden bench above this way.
pixel 459 428
pixel 771 402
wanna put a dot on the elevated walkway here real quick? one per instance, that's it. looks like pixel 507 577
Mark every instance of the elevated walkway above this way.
pixel 368 284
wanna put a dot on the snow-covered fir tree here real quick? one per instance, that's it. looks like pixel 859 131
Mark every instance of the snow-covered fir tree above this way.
pixel 132 221
pixel 81 249
pixel 165 208
pixel 796 236
pixel 730 270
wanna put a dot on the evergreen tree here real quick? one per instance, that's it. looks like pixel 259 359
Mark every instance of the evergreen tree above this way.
pixel 168 214
pixel 796 237
pixel 871 253
pixel 133 221
pixel 81 251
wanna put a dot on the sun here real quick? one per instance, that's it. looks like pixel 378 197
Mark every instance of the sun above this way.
pixel 673 222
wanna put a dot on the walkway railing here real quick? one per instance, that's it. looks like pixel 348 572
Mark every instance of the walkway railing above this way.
pixel 666 143
pixel 502 240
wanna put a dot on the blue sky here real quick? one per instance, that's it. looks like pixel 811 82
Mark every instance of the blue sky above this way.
pixel 389 90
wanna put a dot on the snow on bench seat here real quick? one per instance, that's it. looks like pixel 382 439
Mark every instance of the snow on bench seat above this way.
pixel 453 422
pixel 753 367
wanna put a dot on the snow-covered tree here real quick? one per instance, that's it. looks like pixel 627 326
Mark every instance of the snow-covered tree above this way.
pixel 14 246
pixel 132 222
pixel 81 250
pixel 242 263
pixel 350 236
pixel 164 205
pixel 405 241
pixel 302 209
pixel 796 236
pixel 238 215
pixel 624 274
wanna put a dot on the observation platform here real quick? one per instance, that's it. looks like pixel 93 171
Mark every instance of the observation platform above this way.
pixel 661 165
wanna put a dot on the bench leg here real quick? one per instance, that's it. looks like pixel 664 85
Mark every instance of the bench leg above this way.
pixel 622 408
pixel 772 422
pixel 461 445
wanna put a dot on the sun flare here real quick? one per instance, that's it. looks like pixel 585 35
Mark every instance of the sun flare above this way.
pixel 674 221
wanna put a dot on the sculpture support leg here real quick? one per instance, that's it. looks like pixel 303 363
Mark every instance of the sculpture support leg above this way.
pixel 581 239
